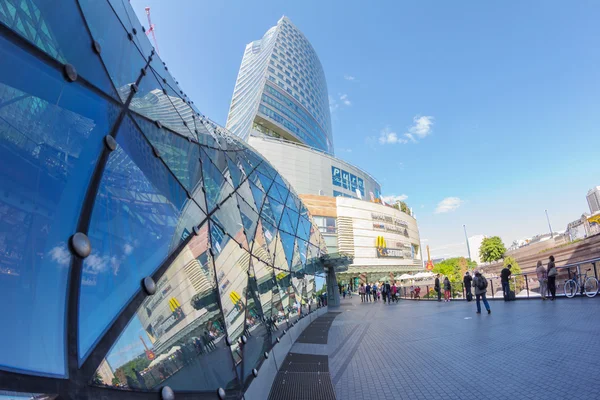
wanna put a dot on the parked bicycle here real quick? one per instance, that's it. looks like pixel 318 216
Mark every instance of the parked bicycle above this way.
pixel 583 284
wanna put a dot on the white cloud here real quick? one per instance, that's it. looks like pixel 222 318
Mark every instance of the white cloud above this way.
pixel 344 99
pixel 422 126
pixel 349 78
pixel 448 204
pixel 61 255
pixel 344 150
pixel 127 249
pixel 410 137
pixel 394 198
pixel 386 136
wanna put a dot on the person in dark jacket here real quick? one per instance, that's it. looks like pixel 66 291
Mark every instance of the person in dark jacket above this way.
pixel 480 284
pixel 386 292
pixel 368 292
pixel 552 272
pixel 504 275
pixel 437 287
pixel 467 280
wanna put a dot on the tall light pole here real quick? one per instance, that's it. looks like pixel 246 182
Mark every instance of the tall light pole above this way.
pixel 467 239
pixel 549 226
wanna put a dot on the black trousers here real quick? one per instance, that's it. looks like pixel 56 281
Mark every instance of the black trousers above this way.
pixel 552 286
pixel 439 292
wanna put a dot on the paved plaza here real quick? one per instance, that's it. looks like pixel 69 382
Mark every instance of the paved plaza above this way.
pixel 428 350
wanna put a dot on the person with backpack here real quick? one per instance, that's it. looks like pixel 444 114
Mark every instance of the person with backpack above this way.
pixel 504 275
pixel 447 289
pixel 368 292
pixel 481 284
pixel 467 280
pixel 374 288
pixel 437 287
pixel 552 272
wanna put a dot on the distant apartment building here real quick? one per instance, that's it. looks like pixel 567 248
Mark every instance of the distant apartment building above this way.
pixel 593 199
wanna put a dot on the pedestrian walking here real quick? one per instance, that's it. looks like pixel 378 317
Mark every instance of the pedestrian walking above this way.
pixel 504 275
pixel 394 292
pixel 388 292
pixel 552 272
pixel 447 289
pixel 412 291
pixel 368 292
pixel 480 284
pixel 361 292
pixel 542 276
pixel 467 280
pixel 344 292
pixel 437 287
pixel 375 294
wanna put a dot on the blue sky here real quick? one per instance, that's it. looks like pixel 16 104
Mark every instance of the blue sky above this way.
pixel 502 99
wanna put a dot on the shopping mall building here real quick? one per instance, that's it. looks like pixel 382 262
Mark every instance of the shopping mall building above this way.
pixel 383 240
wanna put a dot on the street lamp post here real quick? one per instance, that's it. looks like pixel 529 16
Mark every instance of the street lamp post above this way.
pixel 467 239
pixel 549 226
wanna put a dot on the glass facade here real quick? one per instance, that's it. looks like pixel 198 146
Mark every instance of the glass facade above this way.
pixel 281 90
pixel 109 176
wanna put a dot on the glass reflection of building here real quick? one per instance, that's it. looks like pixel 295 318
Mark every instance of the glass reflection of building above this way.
pixel 281 90
pixel 97 138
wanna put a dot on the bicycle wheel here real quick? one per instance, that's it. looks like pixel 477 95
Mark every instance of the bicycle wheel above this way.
pixel 591 286
pixel 570 288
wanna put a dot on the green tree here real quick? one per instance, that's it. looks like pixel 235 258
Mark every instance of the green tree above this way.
pixel 492 249
pixel 402 206
pixel 454 269
pixel 116 381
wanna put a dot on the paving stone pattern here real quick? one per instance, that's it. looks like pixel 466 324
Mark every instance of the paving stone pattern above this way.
pixel 428 350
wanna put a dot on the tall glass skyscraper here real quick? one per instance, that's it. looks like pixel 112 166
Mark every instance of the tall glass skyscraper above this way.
pixel 281 90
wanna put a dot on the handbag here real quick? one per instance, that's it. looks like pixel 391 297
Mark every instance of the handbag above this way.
pixel 553 272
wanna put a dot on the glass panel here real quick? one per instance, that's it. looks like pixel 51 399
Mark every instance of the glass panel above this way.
pixel 141 215
pixel 152 102
pixel 183 108
pixel 163 74
pixel 257 330
pixel 140 38
pixel 271 211
pixel 50 138
pixel 231 266
pixel 287 242
pixel 176 337
pixel 297 260
pixel 179 154
pixel 283 280
pixel 260 247
pixel 25 396
pixel 228 219
pixel 249 219
pixel 121 57
pixel 275 193
pixel 258 195
pixel 216 187
pixel 59 31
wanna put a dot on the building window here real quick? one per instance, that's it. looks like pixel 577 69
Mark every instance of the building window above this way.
pixel 326 224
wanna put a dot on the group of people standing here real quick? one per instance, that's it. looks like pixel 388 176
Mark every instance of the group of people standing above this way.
pixel 447 288
pixel 547 278
pixel 384 291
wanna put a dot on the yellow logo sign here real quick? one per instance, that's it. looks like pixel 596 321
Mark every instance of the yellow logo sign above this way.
pixel 235 297
pixel 174 304
pixel 381 246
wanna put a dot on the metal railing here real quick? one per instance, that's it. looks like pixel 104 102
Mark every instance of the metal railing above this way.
pixel 525 286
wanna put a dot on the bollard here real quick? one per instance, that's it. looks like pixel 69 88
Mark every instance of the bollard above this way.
pixel 527 285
